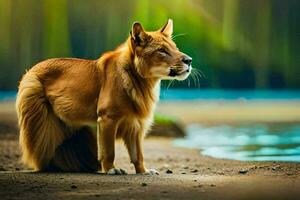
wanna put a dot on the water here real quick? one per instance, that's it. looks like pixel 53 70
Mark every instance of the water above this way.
pixel 7 95
pixel 212 94
pixel 248 142
pixel 208 94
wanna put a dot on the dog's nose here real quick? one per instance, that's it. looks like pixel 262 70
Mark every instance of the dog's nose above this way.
pixel 187 60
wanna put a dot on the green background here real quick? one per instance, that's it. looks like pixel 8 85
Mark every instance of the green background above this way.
pixel 239 44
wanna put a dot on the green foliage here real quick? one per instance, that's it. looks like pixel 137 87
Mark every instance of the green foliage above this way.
pixel 164 119
pixel 56 41
pixel 235 43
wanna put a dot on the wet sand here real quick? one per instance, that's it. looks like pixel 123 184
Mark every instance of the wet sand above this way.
pixel 184 174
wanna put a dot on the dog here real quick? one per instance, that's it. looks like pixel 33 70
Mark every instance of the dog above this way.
pixel 58 99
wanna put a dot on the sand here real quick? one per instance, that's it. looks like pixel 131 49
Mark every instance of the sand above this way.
pixel 184 174
pixel 239 111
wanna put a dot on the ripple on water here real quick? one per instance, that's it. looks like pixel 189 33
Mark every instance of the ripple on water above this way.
pixel 246 142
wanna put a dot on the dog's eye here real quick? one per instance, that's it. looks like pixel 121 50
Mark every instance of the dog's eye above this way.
pixel 163 51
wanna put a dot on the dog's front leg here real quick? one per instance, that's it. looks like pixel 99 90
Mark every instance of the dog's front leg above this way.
pixel 134 145
pixel 106 136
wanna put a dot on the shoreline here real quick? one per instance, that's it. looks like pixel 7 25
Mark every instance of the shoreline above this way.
pixel 184 173
pixel 232 111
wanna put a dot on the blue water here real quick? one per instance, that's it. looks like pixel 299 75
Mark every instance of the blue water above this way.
pixel 7 95
pixel 248 142
pixel 209 94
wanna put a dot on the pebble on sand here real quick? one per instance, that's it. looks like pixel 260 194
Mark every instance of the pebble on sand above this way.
pixel 243 171
pixel 144 184
pixel 73 186
pixel 169 171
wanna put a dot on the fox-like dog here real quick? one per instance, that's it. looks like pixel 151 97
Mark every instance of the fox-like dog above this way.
pixel 58 100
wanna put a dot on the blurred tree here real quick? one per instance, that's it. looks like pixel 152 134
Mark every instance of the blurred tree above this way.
pixel 231 14
pixel 56 41
pixel 5 39
pixel 261 54
pixel 236 43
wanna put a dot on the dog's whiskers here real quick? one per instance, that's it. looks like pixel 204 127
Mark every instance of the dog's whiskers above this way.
pixel 177 35
pixel 197 76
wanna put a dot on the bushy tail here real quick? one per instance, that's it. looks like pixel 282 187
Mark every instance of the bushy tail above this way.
pixel 78 153
pixel 46 142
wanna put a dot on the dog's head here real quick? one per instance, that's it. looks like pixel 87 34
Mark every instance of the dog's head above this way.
pixel 156 55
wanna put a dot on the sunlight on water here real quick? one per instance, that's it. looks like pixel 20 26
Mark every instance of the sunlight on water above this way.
pixel 250 142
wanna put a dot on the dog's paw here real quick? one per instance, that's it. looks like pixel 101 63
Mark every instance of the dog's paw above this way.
pixel 150 172
pixel 116 171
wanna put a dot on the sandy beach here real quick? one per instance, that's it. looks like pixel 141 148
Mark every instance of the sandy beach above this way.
pixel 237 111
pixel 184 173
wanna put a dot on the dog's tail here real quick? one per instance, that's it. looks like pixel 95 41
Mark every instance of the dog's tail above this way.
pixel 78 153
pixel 46 142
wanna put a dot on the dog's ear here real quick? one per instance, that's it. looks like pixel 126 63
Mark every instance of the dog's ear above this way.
pixel 138 35
pixel 167 29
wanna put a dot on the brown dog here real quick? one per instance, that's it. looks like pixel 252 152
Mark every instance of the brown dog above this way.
pixel 59 98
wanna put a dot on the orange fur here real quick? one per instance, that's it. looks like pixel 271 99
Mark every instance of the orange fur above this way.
pixel 59 98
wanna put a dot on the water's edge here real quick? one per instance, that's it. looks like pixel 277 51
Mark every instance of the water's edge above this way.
pixel 246 142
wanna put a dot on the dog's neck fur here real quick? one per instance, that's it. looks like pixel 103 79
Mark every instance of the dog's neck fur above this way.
pixel 142 92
